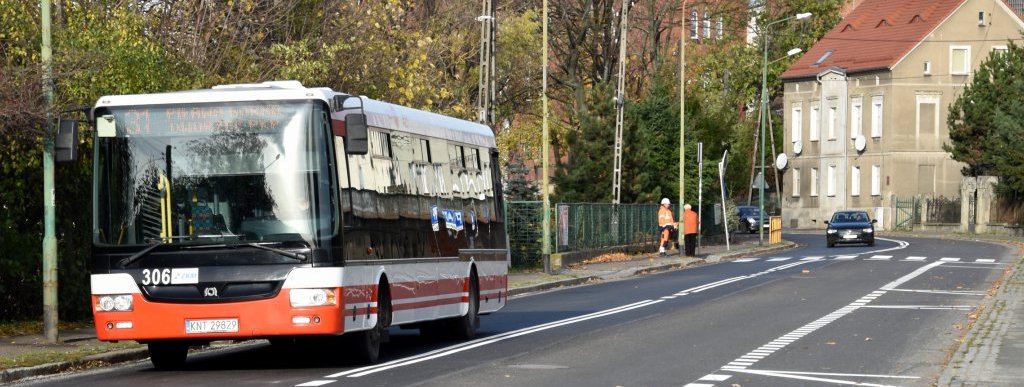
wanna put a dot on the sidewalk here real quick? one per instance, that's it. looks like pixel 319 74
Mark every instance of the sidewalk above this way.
pixel 87 352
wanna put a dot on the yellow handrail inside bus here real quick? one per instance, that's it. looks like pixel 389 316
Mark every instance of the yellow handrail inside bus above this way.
pixel 164 185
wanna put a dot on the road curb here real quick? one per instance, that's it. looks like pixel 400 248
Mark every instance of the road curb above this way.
pixel 15 374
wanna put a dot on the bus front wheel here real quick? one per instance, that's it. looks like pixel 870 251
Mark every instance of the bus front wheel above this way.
pixel 367 343
pixel 168 355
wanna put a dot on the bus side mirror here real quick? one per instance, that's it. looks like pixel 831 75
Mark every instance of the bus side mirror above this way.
pixel 356 142
pixel 66 144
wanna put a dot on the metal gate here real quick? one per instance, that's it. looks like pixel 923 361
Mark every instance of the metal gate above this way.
pixel 904 213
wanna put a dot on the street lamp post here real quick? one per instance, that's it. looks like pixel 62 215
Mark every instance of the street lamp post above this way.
pixel 764 117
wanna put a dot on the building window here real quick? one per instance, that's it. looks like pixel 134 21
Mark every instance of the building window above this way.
pixel 1000 49
pixel 707 26
pixel 796 182
pixel 694 26
pixel 815 119
pixel 876 116
pixel 927 67
pixel 831 189
pixel 832 123
pixel 798 123
pixel 959 60
pixel 720 29
pixel 855 181
pixel 856 118
pixel 814 181
pixel 876 180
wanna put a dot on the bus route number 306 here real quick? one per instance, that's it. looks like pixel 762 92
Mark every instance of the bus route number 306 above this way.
pixel 165 276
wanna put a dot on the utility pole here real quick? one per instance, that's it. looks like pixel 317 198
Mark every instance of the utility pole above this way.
pixel 485 86
pixel 620 102
pixel 546 234
pixel 49 195
pixel 682 112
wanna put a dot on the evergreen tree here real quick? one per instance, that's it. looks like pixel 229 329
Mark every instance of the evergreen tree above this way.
pixel 585 174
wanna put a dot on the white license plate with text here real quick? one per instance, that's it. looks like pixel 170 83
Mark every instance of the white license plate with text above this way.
pixel 849 236
pixel 212 326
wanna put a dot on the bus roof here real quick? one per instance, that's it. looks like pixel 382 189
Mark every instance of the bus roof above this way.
pixel 378 114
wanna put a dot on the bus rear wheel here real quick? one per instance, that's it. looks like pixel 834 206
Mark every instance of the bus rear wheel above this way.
pixel 168 355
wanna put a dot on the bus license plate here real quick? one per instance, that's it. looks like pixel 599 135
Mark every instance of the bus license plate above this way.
pixel 211 326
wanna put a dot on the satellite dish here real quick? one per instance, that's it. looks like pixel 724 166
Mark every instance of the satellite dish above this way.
pixel 781 161
pixel 798 147
pixel 860 142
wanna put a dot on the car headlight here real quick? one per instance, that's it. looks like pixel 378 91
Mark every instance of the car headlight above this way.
pixel 114 303
pixel 751 220
pixel 831 231
pixel 868 230
pixel 311 297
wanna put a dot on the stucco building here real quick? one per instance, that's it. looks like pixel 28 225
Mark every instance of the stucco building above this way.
pixel 865 108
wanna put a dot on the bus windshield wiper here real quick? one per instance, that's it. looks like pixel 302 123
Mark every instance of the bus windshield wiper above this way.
pixel 137 256
pixel 296 256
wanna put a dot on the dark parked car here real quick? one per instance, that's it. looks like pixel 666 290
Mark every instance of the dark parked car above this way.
pixel 850 227
pixel 749 217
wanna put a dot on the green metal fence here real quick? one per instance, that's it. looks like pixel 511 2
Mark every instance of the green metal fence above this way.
pixel 582 227
pixel 524 222
pixel 592 226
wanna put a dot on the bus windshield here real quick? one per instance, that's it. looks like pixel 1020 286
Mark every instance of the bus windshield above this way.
pixel 239 172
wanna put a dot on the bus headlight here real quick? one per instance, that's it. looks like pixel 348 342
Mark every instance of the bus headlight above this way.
pixel 311 297
pixel 114 303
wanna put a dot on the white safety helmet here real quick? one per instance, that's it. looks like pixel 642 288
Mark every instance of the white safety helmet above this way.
pixel 665 202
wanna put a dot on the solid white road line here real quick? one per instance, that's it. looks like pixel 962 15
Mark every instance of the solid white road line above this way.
pixel 815 377
pixel 746 259
pixel 958 292
pixel 779 259
pixel 922 307
pixel 315 383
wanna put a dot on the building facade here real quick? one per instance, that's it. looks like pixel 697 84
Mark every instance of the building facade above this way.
pixel 865 108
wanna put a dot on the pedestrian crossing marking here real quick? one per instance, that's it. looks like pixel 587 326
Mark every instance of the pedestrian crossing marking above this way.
pixel 715 377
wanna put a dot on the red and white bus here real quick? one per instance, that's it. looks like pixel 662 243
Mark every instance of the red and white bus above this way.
pixel 282 212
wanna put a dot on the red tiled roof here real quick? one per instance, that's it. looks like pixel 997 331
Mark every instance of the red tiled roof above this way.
pixel 876 35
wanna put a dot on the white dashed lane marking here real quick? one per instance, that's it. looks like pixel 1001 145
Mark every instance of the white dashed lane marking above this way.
pixel 746 259
pixel 779 259
pixel 948 259
pixel 880 258
pixel 915 258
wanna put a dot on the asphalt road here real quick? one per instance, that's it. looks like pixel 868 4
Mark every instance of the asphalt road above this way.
pixel 884 315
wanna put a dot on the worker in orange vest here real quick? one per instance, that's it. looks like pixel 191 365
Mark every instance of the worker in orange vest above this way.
pixel 690 225
pixel 666 222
